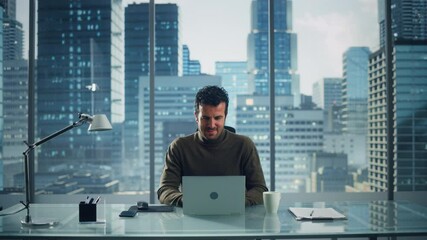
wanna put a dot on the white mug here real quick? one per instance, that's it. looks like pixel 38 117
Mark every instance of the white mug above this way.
pixel 271 201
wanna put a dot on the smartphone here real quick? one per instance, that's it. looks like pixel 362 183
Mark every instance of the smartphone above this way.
pixel 127 213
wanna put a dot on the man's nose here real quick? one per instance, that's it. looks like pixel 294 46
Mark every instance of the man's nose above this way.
pixel 211 123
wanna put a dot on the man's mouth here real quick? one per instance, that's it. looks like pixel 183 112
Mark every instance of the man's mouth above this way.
pixel 211 130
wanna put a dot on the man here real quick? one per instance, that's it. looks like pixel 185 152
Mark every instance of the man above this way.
pixel 211 151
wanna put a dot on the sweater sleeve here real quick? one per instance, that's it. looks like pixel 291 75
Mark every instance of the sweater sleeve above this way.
pixel 255 182
pixel 170 180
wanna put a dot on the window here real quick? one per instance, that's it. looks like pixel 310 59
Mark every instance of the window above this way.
pixel 329 79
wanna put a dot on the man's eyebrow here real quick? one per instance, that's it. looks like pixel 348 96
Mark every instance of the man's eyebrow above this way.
pixel 218 116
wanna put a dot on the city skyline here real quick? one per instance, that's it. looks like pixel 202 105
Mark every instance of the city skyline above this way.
pixel 356 65
pixel 312 20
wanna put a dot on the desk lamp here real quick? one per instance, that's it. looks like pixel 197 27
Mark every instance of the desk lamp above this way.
pixel 97 122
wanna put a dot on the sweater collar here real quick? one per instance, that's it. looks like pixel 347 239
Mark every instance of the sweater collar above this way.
pixel 213 142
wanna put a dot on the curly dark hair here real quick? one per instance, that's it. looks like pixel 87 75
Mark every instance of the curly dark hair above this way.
pixel 211 95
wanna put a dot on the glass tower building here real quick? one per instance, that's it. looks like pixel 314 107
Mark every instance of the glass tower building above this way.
pixel 14 95
pixel 1 101
pixel 168 61
pixel 409 19
pixel 189 66
pixel 409 26
pixel 80 69
pixel 410 116
pixel 13 39
pixel 355 89
pixel 234 78
pixel 285 47
pixel 409 34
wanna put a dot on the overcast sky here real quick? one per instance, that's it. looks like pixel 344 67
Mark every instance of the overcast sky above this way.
pixel 216 30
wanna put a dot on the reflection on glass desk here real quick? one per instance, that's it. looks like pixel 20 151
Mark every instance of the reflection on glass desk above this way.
pixel 364 219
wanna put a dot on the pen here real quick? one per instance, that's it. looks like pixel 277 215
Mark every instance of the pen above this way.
pixel 311 214
pixel 97 199
pixel 91 201
pixel 87 199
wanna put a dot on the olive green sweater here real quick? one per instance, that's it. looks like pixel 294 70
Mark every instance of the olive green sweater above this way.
pixel 230 154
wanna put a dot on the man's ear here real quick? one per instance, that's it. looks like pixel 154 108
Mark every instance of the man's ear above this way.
pixel 195 117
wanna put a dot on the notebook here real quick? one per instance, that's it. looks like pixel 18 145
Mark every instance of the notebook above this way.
pixel 213 195
pixel 316 213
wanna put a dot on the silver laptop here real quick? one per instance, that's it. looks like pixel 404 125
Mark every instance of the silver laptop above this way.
pixel 213 195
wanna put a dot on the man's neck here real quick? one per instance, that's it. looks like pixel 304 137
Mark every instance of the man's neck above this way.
pixel 219 139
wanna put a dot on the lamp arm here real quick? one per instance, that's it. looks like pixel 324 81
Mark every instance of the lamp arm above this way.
pixel 53 135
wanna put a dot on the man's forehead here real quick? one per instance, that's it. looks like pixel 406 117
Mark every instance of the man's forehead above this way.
pixel 212 110
pixel 205 106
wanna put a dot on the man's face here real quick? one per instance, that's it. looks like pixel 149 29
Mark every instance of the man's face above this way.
pixel 210 120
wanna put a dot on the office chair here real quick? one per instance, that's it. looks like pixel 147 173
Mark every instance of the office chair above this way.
pixel 231 129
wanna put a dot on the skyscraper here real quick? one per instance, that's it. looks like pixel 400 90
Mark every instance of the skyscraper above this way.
pixel 286 78
pixel 1 103
pixel 189 66
pixel 381 22
pixel 299 131
pixel 354 111
pixel 168 61
pixel 12 39
pixel 409 19
pixel 409 35
pixel 9 8
pixel 12 31
pixel 185 60
pixel 355 89
pixel 377 123
pixel 234 77
pixel 15 108
pixel 14 94
pixel 410 115
pixel 327 95
pixel 80 69
pixel 299 134
pixel 327 92
pixel 409 27
pixel 168 51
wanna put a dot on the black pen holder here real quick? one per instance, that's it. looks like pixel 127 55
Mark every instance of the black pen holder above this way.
pixel 87 212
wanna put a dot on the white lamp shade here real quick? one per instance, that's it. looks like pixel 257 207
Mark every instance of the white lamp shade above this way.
pixel 100 123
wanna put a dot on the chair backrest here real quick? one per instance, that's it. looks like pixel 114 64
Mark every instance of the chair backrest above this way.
pixel 231 129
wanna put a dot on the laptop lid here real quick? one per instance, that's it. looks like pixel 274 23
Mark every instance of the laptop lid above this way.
pixel 213 195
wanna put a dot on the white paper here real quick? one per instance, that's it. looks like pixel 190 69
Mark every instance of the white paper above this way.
pixel 316 213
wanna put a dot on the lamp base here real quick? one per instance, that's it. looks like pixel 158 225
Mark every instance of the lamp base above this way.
pixel 40 222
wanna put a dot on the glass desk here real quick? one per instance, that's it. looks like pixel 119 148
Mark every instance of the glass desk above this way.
pixel 364 219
